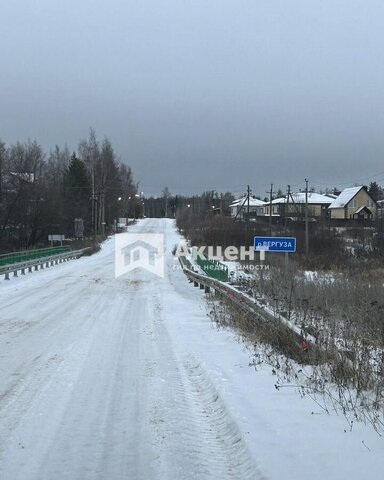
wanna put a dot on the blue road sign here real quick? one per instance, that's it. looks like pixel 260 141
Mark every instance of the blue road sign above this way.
pixel 275 244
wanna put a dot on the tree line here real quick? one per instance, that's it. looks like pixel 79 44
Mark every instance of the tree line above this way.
pixel 59 192
pixel 172 206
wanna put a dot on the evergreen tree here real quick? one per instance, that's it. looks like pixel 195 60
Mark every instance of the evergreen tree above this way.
pixel 77 193
pixel 375 191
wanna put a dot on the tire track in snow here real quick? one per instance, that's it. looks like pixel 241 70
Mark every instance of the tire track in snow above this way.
pixel 223 439
pixel 192 430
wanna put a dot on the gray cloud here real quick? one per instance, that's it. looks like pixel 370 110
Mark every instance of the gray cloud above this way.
pixel 200 95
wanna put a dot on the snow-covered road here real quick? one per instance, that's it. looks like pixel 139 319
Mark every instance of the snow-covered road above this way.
pixel 93 386
pixel 104 378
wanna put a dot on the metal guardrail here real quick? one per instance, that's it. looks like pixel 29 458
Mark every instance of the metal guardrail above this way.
pixel 43 262
pixel 26 255
pixel 252 306
pixel 244 302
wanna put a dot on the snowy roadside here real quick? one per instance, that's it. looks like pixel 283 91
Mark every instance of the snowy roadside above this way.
pixel 290 436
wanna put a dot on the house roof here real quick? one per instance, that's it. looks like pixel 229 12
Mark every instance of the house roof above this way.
pixel 27 177
pixel 363 207
pixel 345 197
pixel 299 197
pixel 253 202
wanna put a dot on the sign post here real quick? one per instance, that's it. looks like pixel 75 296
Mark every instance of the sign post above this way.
pixel 274 244
pixel 56 238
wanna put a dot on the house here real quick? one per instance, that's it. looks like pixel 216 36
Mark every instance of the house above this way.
pixel 239 208
pixel 10 182
pixel 294 205
pixel 275 205
pixel 354 202
pixel 24 176
pixel 380 205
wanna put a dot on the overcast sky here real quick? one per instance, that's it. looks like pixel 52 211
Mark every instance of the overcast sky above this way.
pixel 202 94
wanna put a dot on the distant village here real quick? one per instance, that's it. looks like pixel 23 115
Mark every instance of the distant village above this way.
pixel 353 205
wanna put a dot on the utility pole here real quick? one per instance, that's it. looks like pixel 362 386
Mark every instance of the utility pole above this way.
pixel 166 195
pixel 2 149
pixel 93 199
pixel 102 211
pixel 270 209
pixel 143 203
pixel 287 208
pixel 246 200
pixel 306 219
